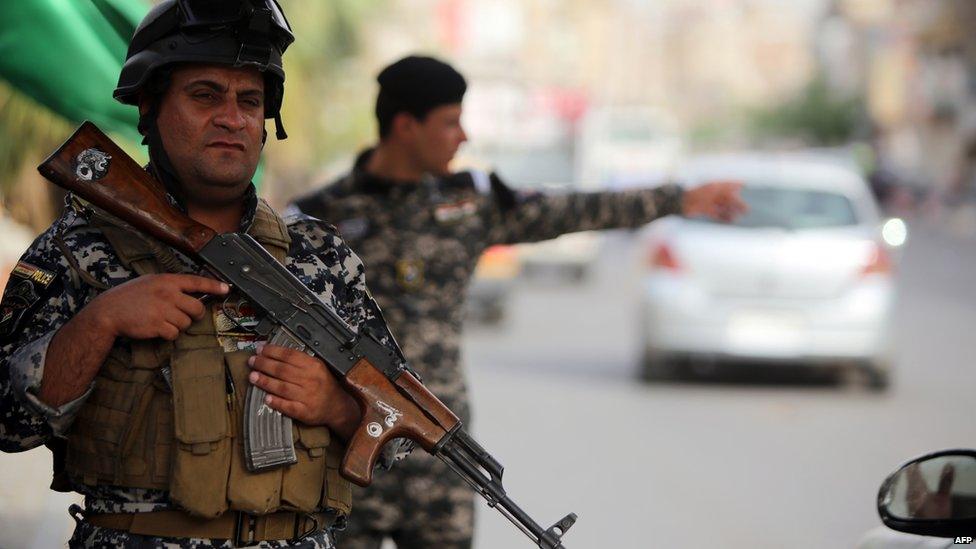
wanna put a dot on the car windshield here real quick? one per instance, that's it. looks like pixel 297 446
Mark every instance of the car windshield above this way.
pixel 794 209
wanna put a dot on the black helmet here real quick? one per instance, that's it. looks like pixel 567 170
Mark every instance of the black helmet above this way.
pixel 227 32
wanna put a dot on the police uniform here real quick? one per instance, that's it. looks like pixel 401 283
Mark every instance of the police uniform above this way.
pixel 420 241
pixel 138 442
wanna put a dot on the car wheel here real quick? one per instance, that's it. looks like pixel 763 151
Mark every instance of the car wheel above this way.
pixel 877 378
pixel 659 367
pixel 870 376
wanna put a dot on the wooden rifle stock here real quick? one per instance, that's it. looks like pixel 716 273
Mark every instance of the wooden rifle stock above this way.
pixel 80 165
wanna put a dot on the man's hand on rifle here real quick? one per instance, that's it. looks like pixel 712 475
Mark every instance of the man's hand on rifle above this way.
pixel 303 388
pixel 145 307
pixel 719 200
pixel 155 305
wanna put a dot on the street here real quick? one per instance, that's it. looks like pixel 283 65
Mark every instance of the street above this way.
pixel 746 464
pixel 796 463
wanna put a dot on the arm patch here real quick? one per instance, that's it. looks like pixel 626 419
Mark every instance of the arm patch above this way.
pixel 28 285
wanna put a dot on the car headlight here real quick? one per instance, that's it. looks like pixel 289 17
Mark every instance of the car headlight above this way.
pixel 894 232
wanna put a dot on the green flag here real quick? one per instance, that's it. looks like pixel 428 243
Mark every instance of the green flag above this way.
pixel 67 54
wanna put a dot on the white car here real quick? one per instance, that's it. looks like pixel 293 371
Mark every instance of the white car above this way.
pixel 803 277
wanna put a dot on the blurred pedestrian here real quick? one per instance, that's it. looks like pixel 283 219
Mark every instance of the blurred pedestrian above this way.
pixel 420 230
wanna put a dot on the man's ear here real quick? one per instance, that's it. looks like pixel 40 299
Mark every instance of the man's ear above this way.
pixel 145 104
pixel 146 116
pixel 403 125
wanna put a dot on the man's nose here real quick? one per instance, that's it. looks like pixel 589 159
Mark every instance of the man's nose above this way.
pixel 230 117
pixel 464 135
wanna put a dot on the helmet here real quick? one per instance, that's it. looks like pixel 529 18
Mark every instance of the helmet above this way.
pixel 239 33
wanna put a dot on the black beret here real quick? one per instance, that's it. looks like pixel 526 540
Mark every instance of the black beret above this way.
pixel 418 84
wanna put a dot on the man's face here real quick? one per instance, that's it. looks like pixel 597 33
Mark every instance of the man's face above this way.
pixel 211 121
pixel 436 138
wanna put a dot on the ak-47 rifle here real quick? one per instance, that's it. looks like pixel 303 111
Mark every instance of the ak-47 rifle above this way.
pixel 394 403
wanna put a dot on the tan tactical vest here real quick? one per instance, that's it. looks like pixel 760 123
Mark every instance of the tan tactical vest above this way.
pixel 133 431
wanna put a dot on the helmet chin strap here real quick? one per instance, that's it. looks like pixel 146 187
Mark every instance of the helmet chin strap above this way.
pixel 279 127
pixel 279 131
pixel 159 162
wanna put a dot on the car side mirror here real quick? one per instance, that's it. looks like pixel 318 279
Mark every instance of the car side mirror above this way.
pixel 933 495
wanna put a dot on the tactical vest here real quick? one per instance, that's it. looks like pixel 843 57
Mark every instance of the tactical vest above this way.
pixel 136 430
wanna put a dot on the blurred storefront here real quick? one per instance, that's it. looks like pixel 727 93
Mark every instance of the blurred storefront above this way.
pixel 915 62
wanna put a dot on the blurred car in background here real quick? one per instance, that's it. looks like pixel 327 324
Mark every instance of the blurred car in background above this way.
pixel 493 278
pixel 802 278
pixel 568 256
pixel 622 146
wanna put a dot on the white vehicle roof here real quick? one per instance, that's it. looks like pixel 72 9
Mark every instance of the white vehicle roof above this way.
pixel 786 170
pixel 791 171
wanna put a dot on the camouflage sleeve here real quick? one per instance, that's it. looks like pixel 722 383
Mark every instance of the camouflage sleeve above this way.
pixel 39 298
pixel 528 217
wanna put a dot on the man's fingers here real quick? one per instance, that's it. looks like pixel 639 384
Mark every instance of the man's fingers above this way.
pixel 178 319
pixel 284 354
pixel 291 408
pixel 200 284
pixel 735 200
pixel 916 484
pixel 169 332
pixel 190 305
pixel 275 368
pixel 275 386
pixel 946 477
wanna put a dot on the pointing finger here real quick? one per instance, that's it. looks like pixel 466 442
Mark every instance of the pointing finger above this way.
pixel 201 284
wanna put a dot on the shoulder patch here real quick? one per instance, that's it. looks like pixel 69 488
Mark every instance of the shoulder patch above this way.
pixel 33 273
pixel 28 284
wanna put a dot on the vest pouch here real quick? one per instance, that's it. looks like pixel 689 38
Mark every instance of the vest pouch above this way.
pixel 147 446
pixel 202 453
pixel 150 354
pixel 256 493
pixel 102 433
pixel 160 446
pixel 301 487
pixel 337 491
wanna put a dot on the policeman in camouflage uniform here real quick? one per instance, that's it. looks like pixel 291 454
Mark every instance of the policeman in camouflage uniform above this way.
pixel 420 231
pixel 132 367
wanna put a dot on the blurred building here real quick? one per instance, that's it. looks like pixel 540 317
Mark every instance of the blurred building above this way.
pixel 538 68
pixel 915 62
